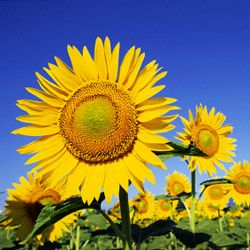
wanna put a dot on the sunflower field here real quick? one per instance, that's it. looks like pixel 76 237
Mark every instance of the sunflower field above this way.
pixel 99 125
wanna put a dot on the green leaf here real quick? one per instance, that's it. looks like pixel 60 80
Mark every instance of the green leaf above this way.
pixel 5 244
pixel 224 239
pixel 182 195
pixel 216 181
pixel 50 214
pixel 179 150
pixel 96 220
pixel 160 227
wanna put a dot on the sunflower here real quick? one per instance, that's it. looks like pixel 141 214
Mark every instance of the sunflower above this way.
pixel 25 202
pixel 97 121
pixel 212 210
pixel 177 183
pixel 218 194
pixel 207 133
pixel 165 209
pixel 144 205
pixel 240 190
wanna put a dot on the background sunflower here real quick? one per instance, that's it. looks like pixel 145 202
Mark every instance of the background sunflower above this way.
pixel 207 132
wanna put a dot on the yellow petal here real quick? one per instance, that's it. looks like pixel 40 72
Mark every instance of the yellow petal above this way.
pixel 133 74
pixel 144 78
pixel 46 153
pixel 35 130
pixel 40 144
pixel 147 93
pixel 151 114
pixel 51 88
pixel 147 155
pixel 89 62
pixel 156 79
pixel 100 59
pixel 114 63
pixel 45 119
pixel 55 102
pixel 139 169
pixel 136 182
pixel 125 65
pixel 146 136
pixel 154 103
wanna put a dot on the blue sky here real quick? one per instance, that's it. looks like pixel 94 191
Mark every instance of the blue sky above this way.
pixel 204 45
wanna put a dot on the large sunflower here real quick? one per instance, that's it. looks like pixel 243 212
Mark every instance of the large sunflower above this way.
pixel 97 123
pixel 240 190
pixel 207 133
pixel 177 183
pixel 26 201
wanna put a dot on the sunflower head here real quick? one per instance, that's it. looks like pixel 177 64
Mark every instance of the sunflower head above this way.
pixel 26 201
pixel 239 174
pixel 207 132
pixel 98 121
pixel 177 183
pixel 144 206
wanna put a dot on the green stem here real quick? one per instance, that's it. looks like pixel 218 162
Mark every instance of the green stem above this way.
pixel 77 242
pixel 112 224
pixel 192 221
pixel 220 219
pixel 126 227
pixel 248 241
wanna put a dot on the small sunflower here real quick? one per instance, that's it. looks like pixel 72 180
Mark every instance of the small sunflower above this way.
pixel 144 205
pixel 240 190
pixel 177 183
pixel 165 209
pixel 212 210
pixel 208 134
pixel 97 121
pixel 218 194
pixel 25 202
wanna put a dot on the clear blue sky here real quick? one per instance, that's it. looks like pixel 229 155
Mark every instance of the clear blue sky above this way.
pixel 205 46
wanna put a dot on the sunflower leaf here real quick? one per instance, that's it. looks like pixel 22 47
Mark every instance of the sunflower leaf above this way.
pixel 183 195
pixel 179 150
pixel 216 181
pixel 50 214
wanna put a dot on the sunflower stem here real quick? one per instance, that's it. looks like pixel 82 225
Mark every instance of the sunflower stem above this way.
pixel 192 219
pixel 112 224
pixel 126 227
pixel 77 242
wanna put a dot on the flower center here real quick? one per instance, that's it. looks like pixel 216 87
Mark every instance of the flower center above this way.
pixel 243 183
pixel 165 205
pixel 177 188
pixel 206 139
pixel 99 122
pixel 215 193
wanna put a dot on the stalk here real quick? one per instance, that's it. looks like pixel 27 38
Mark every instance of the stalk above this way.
pixel 77 242
pixel 192 213
pixel 126 227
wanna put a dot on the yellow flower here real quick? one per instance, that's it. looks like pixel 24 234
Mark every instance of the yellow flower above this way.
pixel 217 194
pixel 208 134
pixel 240 190
pixel 177 183
pixel 97 121
pixel 25 202
pixel 144 205
pixel 212 210
pixel 165 209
